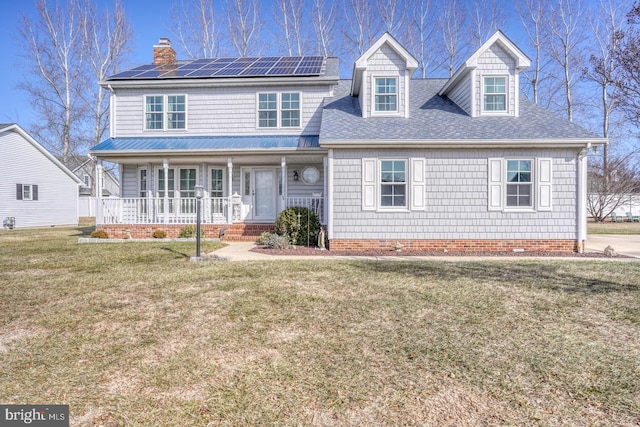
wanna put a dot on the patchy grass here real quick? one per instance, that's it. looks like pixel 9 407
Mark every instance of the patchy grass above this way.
pixel 608 227
pixel 133 334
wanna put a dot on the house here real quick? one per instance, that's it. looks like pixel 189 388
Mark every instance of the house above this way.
pixel 36 189
pixel 84 167
pixel 463 163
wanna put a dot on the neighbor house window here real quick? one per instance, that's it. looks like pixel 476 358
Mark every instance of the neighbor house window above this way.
pixel 519 183
pixel 268 110
pixel 290 110
pixel 26 192
pixel 386 94
pixel 87 180
pixel 217 184
pixel 175 107
pixel 495 94
pixel 393 183
pixel 176 112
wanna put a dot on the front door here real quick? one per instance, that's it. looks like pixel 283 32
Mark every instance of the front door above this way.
pixel 259 194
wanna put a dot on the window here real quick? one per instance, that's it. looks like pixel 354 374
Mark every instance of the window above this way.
pixel 143 182
pixel 175 107
pixel 290 107
pixel 519 184
pixel 154 113
pixel 187 183
pixel 495 94
pixel 287 115
pixel 87 180
pixel 176 116
pixel 393 184
pixel 267 110
pixel 26 192
pixel 386 94
pixel 170 189
pixel 217 185
pixel 397 184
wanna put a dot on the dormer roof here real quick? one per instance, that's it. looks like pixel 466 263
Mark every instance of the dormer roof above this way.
pixel 361 63
pixel 522 61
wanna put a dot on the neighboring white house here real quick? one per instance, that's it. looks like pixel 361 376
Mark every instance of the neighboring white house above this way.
pixel 35 188
pixel 464 163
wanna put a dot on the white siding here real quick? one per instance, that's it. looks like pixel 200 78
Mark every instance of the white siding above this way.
pixel 495 61
pixel 456 199
pixel 22 163
pixel 461 94
pixel 219 111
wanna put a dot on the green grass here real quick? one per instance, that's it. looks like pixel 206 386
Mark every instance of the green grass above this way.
pixel 608 227
pixel 134 334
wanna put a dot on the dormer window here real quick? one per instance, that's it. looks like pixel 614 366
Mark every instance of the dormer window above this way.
pixel 386 95
pixel 495 94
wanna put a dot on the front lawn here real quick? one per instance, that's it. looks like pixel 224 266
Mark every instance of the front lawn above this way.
pixel 134 334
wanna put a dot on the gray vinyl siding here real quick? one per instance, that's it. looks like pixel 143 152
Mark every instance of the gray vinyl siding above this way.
pixel 385 63
pixel 461 94
pixel 496 61
pixel 456 199
pixel 129 185
pixel 219 111
pixel 22 163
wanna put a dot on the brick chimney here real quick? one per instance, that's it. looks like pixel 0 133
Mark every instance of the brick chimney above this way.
pixel 163 53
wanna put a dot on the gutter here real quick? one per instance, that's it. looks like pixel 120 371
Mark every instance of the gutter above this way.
pixel 462 143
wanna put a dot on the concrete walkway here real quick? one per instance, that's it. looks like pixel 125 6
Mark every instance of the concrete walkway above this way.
pixel 623 244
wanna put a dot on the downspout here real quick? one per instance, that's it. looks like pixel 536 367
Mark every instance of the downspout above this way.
pixel 330 195
pixel 582 197
pixel 230 190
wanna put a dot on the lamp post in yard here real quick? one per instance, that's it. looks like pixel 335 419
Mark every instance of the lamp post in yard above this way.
pixel 199 195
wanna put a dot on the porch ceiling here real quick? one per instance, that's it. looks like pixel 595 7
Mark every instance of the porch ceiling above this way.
pixel 237 159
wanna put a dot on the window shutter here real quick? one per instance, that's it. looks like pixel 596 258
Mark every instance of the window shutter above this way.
pixel 495 184
pixel 418 185
pixel 18 191
pixel 34 192
pixel 544 173
pixel 369 184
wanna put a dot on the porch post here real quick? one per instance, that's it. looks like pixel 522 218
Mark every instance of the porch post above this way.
pixel 165 201
pixel 325 192
pixel 283 177
pixel 99 207
pixel 229 190
pixel 329 178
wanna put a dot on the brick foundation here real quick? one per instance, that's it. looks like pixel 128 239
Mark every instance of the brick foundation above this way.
pixel 234 232
pixel 551 245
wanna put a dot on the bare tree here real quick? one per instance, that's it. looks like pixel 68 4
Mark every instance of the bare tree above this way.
pixel 244 23
pixel 195 28
pixel 392 15
pixel 451 22
pixel 360 25
pixel 288 16
pixel 485 17
pixel 629 59
pixel 54 51
pixel 420 35
pixel 108 38
pixel 611 189
pixel 532 15
pixel 565 35
pixel 324 16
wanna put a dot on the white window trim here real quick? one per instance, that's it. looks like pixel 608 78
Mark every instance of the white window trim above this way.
pixel 224 179
pixel 30 198
pixel 415 182
pixel 165 113
pixel 176 178
pixel 541 185
pixel 507 83
pixel 397 111
pixel 138 182
pixel 278 110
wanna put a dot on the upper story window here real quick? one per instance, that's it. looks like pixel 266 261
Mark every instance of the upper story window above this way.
pixel 175 107
pixel 495 94
pixel 286 116
pixel 386 94
pixel 519 183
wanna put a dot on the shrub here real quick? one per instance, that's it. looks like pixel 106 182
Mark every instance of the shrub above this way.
pixel 99 234
pixel 264 238
pixel 159 234
pixel 189 231
pixel 300 230
pixel 275 241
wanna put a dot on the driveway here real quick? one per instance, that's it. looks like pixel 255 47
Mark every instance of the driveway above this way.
pixel 625 244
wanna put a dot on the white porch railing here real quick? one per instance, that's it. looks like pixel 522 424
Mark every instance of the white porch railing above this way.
pixel 143 210
pixel 316 204
pixel 150 210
